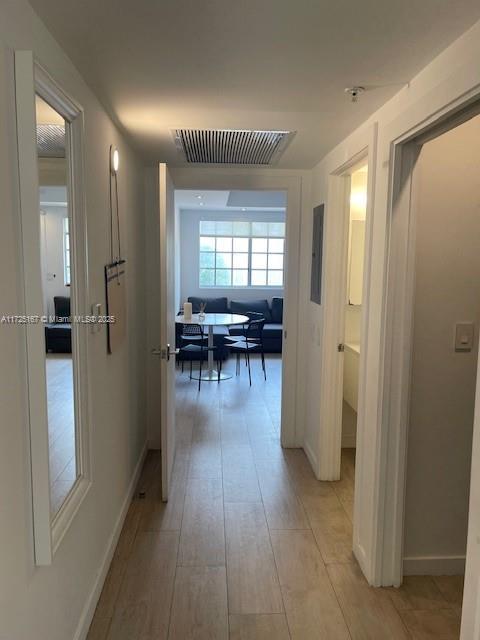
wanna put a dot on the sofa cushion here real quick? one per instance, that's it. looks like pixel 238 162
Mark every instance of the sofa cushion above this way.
pixel 214 305
pixel 62 307
pixel 59 330
pixel 254 306
pixel 272 330
pixel 277 310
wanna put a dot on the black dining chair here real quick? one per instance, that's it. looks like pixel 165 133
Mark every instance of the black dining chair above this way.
pixel 251 342
pixel 193 342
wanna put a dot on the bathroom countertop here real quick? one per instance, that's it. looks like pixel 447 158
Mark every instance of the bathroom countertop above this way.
pixel 353 346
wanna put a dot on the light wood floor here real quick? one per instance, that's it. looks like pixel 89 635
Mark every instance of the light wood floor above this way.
pixel 251 546
pixel 61 427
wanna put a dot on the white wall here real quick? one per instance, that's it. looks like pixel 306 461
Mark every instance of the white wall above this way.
pixel 48 603
pixel 189 255
pixel 447 291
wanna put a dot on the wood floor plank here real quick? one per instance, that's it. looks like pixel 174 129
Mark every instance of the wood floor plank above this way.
pixel 334 536
pixel 282 506
pixel 259 627
pixel 157 515
pixel 99 628
pixel 199 609
pixel 443 624
pixel 369 612
pixel 417 592
pixel 129 622
pixel 143 605
pixel 202 538
pixel 252 578
pixel 302 476
pixel 311 605
pixel 205 461
pixel 451 587
pixel 240 482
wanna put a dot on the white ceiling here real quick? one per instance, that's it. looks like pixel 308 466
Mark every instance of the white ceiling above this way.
pixel 266 64
pixel 186 199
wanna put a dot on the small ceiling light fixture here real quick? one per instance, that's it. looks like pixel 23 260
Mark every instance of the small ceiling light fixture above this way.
pixel 201 204
pixel 354 92
pixel 244 208
pixel 199 197
pixel 114 160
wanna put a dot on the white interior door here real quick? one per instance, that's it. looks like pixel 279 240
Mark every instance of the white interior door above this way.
pixel 167 324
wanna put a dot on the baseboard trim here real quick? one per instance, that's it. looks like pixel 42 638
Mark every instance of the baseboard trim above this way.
pixel 312 458
pixel 434 566
pixel 360 555
pixel 92 600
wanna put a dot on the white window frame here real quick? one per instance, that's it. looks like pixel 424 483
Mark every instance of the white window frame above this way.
pixel 31 79
pixel 249 253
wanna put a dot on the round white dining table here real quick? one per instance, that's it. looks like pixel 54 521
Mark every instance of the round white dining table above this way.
pixel 210 320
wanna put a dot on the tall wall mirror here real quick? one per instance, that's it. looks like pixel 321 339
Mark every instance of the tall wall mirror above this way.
pixel 57 274
pixel 54 239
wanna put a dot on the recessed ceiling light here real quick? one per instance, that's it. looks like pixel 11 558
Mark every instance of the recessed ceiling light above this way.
pixel 201 204
pixel 244 209
pixel 199 197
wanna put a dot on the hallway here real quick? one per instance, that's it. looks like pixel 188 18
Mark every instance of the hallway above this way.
pixel 251 546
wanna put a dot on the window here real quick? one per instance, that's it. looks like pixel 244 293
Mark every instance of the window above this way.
pixel 66 253
pixel 241 254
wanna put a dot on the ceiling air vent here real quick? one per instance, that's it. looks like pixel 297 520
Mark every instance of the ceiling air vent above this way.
pixel 231 146
pixel 51 140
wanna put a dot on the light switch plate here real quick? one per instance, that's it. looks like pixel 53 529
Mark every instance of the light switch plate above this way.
pixel 464 336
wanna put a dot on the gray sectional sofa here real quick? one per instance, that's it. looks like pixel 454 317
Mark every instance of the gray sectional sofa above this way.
pixel 273 313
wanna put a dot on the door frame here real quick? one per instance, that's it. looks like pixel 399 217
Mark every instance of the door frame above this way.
pixel 31 79
pixel 396 363
pixel 166 190
pixel 362 145
pixel 248 180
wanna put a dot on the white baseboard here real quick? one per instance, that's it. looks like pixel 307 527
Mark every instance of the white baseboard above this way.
pixel 360 555
pixel 92 600
pixel 434 566
pixel 312 458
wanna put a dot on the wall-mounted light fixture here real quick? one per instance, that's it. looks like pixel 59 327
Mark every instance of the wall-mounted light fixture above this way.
pixel 114 160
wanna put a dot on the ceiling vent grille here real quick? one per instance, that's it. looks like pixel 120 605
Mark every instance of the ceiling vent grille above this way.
pixel 51 140
pixel 231 146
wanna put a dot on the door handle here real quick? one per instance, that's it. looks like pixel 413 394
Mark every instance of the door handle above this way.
pixel 165 353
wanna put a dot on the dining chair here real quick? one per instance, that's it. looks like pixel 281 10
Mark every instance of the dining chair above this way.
pixel 252 341
pixel 195 342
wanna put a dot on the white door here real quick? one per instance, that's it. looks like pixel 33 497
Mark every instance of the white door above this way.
pixel 167 325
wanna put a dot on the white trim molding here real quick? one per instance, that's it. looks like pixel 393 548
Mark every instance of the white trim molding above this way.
pixel 434 566
pixel 32 79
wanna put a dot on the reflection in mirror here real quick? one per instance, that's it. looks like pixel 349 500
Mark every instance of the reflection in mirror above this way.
pixel 55 229
pixel 356 242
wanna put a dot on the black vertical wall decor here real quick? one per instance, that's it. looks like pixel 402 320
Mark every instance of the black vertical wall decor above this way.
pixel 317 254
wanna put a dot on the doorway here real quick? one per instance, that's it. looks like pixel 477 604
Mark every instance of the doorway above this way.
pixel 430 416
pixel 444 354
pixel 231 259
pixel 351 346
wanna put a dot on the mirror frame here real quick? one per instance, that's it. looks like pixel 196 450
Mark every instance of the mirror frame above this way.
pixel 31 80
